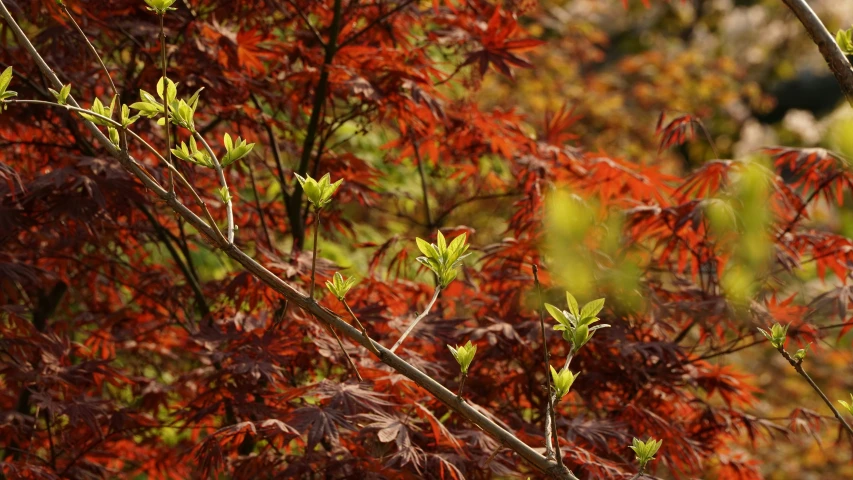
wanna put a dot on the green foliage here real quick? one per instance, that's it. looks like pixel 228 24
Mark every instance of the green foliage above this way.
pixel 645 451
pixel 575 323
pixel 318 193
pixel 776 335
pixel 181 112
pixel 848 406
pixel 160 7
pixel 5 80
pixel 844 39
pixel 192 154
pixel 224 194
pixel 801 353
pixel 100 109
pixel 340 286
pixel 62 95
pixel 443 259
pixel 235 150
pixel 563 381
pixel 464 355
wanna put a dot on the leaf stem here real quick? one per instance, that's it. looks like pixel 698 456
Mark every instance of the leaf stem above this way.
pixel 370 345
pixel 168 123
pixel 229 208
pixel 461 387
pixel 418 319
pixel 344 350
pixel 91 47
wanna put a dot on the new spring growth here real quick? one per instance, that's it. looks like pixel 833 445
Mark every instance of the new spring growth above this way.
pixel 464 355
pixel 801 353
pixel 318 193
pixel 848 406
pixel 576 324
pixel 235 150
pixel 844 39
pixel 645 451
pixel 5 80
pixel 181 111
pixel 443 259
pixel 160 7
pixel 340 286
pixel 62 95
pixel 563 381
pixel 776 335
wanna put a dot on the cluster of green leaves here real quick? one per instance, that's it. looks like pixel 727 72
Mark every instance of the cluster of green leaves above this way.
pixel 844 39
pixel 776 335
pixel 339 286
pixel 62 95
pixel 464 355
pixel 193 154
pixel 181 112
pixel 645 451
pixel 235 150
pixel 563 381
pixel 104 113
pixel 442 258
pixel 576 323
pixel 319 193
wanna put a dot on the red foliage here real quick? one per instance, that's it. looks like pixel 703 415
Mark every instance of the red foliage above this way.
pixel 122 354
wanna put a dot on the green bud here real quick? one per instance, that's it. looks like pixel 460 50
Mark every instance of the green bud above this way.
pixel 62 95
pixel 464 355
pixel 645 451
pixel 340 286
pixel 318 193
pixel 776 335
pixel 5 80
pixel 442 258
pixel 563 381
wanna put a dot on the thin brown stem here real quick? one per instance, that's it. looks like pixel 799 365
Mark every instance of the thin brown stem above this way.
pixel 424 189
pixel 798 366
pixel 549 413
pixel 461 386
pixel 91 47
pixel 344 350
pixel 258 205
pixel 314 256
pixel 370 345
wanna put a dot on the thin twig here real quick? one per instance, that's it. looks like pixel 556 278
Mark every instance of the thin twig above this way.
pixel 229 208
pixel 374 22
pixel 423 181
pixel 91 47
pixel 168 123
pixel 461 387
pixel 798 366
pixel 258 205
pixel 370 345
pixel 344 350
pixel 549 412
pixel 314 256
pixel 825 42
pixel 292 294
pixel 418 319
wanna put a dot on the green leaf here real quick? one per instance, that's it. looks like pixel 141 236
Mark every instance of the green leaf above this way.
pixel 464 355
pixel 558 315
pixel 62 95
pixel 5 79
pixel 573 305
pixel 592 308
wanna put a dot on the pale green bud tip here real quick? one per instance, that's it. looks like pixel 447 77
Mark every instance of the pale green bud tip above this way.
pixel 563 381
pixel 339 287
pixel 464 355
pixel 645 451
pixel 776 335
pixel 848 406
pixel 442 258
pixel 318 193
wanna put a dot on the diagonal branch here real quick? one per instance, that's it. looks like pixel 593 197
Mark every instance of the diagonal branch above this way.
pixel 825 42
pixel 326 316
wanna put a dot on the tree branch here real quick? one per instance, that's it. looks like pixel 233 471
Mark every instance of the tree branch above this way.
pixel 326 316
pixel 825 42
